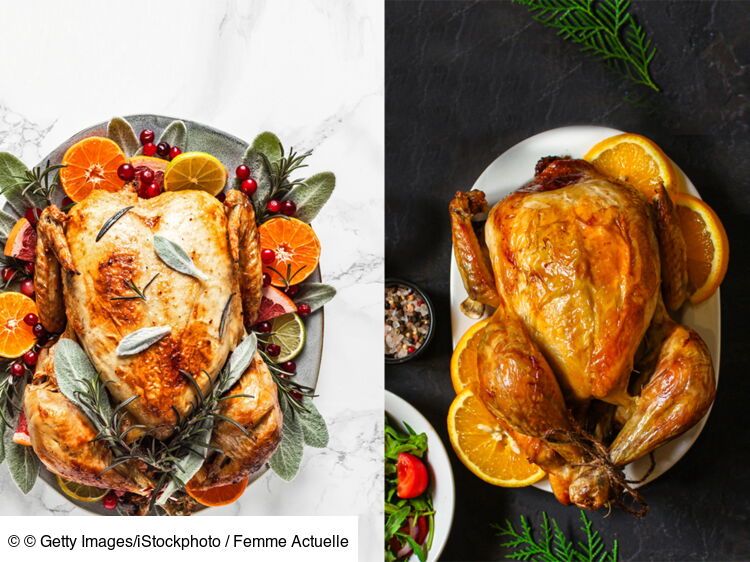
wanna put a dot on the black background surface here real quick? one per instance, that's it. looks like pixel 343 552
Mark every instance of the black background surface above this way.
pixel 467 80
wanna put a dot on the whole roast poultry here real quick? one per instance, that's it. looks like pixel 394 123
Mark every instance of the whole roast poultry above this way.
pixel 581 362
pixel 84 281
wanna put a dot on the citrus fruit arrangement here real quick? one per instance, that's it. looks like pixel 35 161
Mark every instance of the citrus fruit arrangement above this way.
pixel 289 255
pixel 477 437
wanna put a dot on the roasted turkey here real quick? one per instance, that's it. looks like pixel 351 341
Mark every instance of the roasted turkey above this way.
pixel 84 280
pixel 581 362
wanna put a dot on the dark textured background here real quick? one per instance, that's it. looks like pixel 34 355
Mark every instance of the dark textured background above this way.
pixel 467 80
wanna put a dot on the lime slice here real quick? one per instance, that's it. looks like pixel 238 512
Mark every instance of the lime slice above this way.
pixel 195 170
pixel 288 332
pixel 81 492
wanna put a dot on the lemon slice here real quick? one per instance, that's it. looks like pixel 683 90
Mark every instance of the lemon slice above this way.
pixel 81 492
pixel 288 332
pixel 195 170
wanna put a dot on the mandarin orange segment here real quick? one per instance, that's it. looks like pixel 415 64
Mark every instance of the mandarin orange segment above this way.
pixel 295 247
pixel 707 246
pixel 464 370
pixel 484 447
pixel 219 495
pixel 91 164
pixel 16 337
pixel 636 160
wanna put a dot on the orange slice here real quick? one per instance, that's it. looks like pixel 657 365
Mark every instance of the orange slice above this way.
pixel 296 250
pixel 219 495
pixel 707 246
pixel 635 160
pixel 484 447
pixel 91 164
pixel 464 359
pixel 16 336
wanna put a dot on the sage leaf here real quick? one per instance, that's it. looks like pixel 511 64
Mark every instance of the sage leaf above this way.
pixel 270 145
pixel 188 465
pixel 6 225
pixel 315 295
pixel 2 441
pixel 287 459
pixel 240 360
pixel 176 258
pixel 312 194
pixel 111 221
pixel 12 170
pixel 75 376
pixel 225 316
pixel 22 462
pixel 314 429
pixel 259 171
pixel 123 134
pixel 175 135
pixel 142 339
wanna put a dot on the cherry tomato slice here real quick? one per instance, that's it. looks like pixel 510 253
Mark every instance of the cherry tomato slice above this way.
pixel 412 476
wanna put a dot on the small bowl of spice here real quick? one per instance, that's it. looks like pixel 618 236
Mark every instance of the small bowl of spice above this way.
pixel 408 321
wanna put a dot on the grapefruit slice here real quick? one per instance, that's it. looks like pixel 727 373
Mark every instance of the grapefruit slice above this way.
pixel 21 241
pixel 218 495
pixel 274 303
pixel 21 434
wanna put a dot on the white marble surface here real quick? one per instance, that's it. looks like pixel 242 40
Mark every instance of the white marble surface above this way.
pixel 310 70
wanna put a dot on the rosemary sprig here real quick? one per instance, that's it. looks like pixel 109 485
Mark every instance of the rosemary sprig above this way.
pixel 36 182
pixel 553 545
pixel 280 171
pixel 604 29
pixel 292 391
pixel 139 293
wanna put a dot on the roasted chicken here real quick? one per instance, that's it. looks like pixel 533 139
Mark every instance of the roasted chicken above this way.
pixel 88 268
pixel 580 271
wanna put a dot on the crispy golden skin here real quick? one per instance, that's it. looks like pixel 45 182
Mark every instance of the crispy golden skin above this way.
pixel 242 455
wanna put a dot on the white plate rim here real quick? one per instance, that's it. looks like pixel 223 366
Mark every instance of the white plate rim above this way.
pixel 705 318
pixel 402 411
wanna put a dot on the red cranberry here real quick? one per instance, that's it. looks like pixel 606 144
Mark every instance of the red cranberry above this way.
pixel 149 149
pixel 289 366
pixel 288 208
pixel 267 256
pixel 242 171
pixel 17 369
pixel 266 280
pixel 162 149
pixel 303 309
pixel 221 196
pixel 8 273
pixel 273 350
pixel 285 376
pixel 411 349
pixel 31 319
pixel 261 346
pixel 126 172
pixel 152 190
pixel 110 501
pixel 32 215
pixel 273 206
pixel 249 186
pixel 296 395
pixel 27 287
pixel 39 331
pixel 147 136
pixel 28 267
pixel 30 358
pixel 174 152
pixel 147 176
pixel 292 291
pixel 263 327
pixel 67 201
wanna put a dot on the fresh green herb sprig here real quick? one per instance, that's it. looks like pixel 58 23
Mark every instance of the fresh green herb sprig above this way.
pixel 399 510
pixel 553 545
pixel 37 183
pixel 291 390
pixel 604 29
pixel 139 293
pixel 11 391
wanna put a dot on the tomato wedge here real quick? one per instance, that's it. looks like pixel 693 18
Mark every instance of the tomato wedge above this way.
pixel 412 476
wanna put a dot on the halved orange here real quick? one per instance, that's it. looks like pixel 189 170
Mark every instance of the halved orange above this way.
pixel 464 372
pixel 16 336
pixel 707 246
pixel 635 160
pixel 91 164
pixel 219 495
pixel 296 250
pixel 484 447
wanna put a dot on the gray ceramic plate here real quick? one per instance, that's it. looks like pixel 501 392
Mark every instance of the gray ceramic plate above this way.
pixel 229 150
